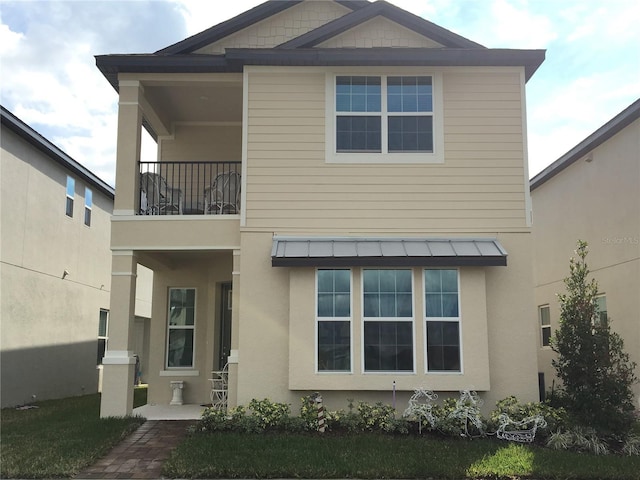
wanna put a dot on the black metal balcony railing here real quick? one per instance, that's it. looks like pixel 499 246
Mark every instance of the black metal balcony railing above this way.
pixel 189 188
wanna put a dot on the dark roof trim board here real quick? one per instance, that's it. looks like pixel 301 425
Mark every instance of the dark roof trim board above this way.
pixel 597 138
pixel 236 58
pixel 386 252
pixel 393 13
pixel 17 126
pixel 240 22
pixel 387 56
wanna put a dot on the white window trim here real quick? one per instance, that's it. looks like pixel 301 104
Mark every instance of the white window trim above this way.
pixel 457 319
pixel 185 327
pixel 87 207
pixel 388 319
pixel 70 197
pixel 331 156
pixel 335 319
pixel 106 336
pixel 542 327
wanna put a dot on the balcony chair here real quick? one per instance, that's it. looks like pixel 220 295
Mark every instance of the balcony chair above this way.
pixel 157 197
pixel 220 388
pixel 223 196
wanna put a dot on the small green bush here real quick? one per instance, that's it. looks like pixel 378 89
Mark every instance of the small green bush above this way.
pixel 269 414
pixel 580 439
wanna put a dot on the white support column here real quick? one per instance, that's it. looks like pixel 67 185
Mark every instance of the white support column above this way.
pixel 129 143
pixel 235 320
pixel 119 362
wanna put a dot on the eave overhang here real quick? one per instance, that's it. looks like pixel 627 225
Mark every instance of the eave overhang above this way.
pixel 236 59
pixel 12 123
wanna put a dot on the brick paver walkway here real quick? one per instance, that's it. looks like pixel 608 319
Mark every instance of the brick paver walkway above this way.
pixel 142 453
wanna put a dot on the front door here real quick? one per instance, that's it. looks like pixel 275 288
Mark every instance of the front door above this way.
pixel 224 346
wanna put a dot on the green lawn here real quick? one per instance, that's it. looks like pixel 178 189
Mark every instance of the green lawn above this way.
pixel 231 455
pixel 60 437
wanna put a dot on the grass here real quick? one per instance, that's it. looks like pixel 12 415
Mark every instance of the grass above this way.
pixel 230 455
pixel 60 437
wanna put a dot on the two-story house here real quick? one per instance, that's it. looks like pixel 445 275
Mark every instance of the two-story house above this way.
pixel 55 271
pixel 340 203
pixel 591 193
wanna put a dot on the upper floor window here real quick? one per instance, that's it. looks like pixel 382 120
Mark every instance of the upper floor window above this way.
pixel 601 303
pixel 391 116
pixel 388 320
pixel 181 325
pixel 88 203
pixel 333 317
pixel 71 190
pixel 545 325
pixel 442 315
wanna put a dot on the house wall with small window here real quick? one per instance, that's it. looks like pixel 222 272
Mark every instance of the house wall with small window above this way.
pixel 49 317
pixel 595 199
pixel 55 274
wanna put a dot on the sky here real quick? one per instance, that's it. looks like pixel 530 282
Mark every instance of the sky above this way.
pixel 49 80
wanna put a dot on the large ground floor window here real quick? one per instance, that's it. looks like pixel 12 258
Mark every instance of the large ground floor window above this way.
pixel 386 329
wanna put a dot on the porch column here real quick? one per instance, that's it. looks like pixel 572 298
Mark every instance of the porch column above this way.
pixel 127 201
pixel 235 322
pixel 119 362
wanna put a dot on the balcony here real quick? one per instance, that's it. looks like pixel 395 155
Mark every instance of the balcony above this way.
pixel 190 188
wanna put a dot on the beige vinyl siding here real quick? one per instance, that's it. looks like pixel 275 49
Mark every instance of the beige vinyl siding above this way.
pixel 479 187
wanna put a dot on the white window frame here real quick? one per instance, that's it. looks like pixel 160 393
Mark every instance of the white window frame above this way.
pixel 334 319
pixel 104 337
pixel 69 199
pixel 457 320
pixel 388 319
pixel 88 205
pixel 600 299
pixel 544 326
pixel 181 327
pixel 384 157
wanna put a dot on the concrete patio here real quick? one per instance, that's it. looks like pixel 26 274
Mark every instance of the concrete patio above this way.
pixel 169 412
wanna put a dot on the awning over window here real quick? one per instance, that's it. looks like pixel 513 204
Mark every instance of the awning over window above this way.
pixel 386 252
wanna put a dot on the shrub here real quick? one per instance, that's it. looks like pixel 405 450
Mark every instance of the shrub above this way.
pixel 268 414
pixel 581 439
pixel 631 445
pixel 597 374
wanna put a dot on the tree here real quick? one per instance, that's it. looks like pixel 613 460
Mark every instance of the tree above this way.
pixel 596 373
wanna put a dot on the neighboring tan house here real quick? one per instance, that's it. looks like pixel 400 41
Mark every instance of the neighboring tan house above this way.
pixel 340 204
pixel 55 271
pixel 591 193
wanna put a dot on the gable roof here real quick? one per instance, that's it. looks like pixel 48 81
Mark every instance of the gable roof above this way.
pixel 17 126
pixel 240 22
pixel 303 50
pixel 387 10
pixel 597 138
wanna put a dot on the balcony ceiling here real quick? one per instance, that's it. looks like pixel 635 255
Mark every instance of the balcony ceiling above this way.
pixel 221 102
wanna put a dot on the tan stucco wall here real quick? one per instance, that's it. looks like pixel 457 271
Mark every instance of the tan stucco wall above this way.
pixel 49 324
pixel 277 339
pixel 599 202
pixel 204 273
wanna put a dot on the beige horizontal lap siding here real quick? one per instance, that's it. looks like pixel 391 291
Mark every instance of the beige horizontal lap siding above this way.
pixel 478 188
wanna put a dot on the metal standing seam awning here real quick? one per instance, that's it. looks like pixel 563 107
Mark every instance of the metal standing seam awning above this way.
pixel 386 252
